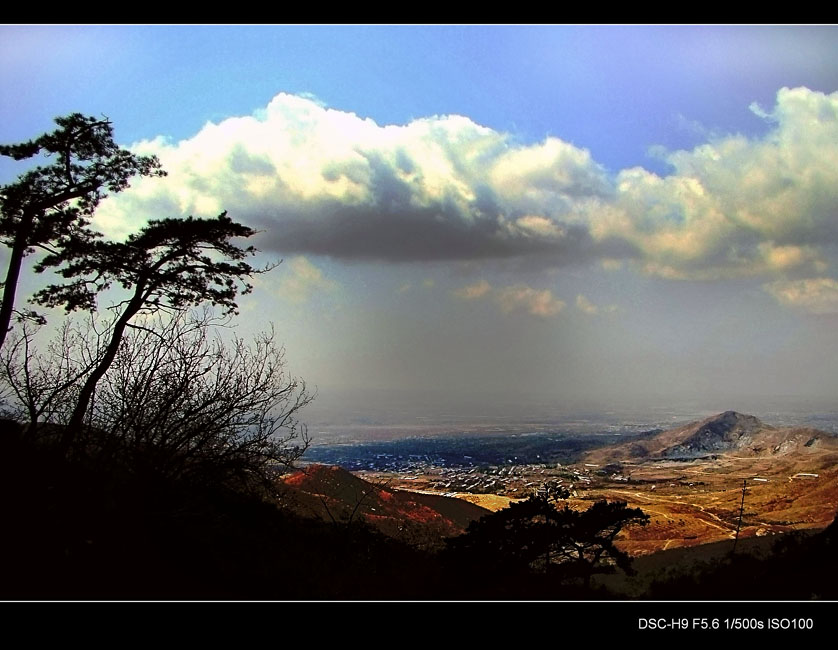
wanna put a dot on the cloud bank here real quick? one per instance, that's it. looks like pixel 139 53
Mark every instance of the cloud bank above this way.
pixel 327 182
pixel 736 206
pixel 321 181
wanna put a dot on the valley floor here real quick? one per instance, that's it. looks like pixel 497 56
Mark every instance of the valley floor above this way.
pixel 690 502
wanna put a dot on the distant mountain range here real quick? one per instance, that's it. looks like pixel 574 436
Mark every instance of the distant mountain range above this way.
pixel 724 433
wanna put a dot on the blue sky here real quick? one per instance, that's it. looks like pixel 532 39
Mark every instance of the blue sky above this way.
pixel 616 90
pixel 599 213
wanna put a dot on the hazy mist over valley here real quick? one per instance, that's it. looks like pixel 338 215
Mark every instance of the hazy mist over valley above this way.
pixel 382 415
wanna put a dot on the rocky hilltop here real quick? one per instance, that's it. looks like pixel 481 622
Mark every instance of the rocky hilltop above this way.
pixel 725 432
pixel 728 432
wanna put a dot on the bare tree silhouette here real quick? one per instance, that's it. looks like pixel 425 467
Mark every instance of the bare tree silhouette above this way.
pixel 179 399
pixel 169 265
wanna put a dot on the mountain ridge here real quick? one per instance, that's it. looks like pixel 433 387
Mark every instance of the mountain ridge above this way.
pixel 723 433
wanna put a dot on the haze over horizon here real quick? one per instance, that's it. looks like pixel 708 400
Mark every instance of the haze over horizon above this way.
pixel 549 214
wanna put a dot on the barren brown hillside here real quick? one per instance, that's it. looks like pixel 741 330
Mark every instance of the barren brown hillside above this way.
pixel 334 494
pixel 690 479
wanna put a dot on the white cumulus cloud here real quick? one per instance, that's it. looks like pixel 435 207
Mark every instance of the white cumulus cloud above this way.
pixel 329 182
pixel 737 206
pixel 321 181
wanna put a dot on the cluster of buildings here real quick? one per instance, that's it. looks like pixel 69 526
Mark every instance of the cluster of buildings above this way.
pixel 517 481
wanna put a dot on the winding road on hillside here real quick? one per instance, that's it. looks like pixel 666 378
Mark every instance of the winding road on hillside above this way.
pixel 728 529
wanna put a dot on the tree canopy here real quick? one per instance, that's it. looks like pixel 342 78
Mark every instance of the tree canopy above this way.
pixel 169 264
pixel 50 206
pixel 535 535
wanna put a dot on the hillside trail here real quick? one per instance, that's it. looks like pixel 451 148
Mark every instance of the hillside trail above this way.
pixel 725 527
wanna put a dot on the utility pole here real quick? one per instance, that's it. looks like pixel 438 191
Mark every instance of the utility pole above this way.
pixel 741 510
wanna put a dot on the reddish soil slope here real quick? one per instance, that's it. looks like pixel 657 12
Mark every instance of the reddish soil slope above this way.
pixel 333 494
